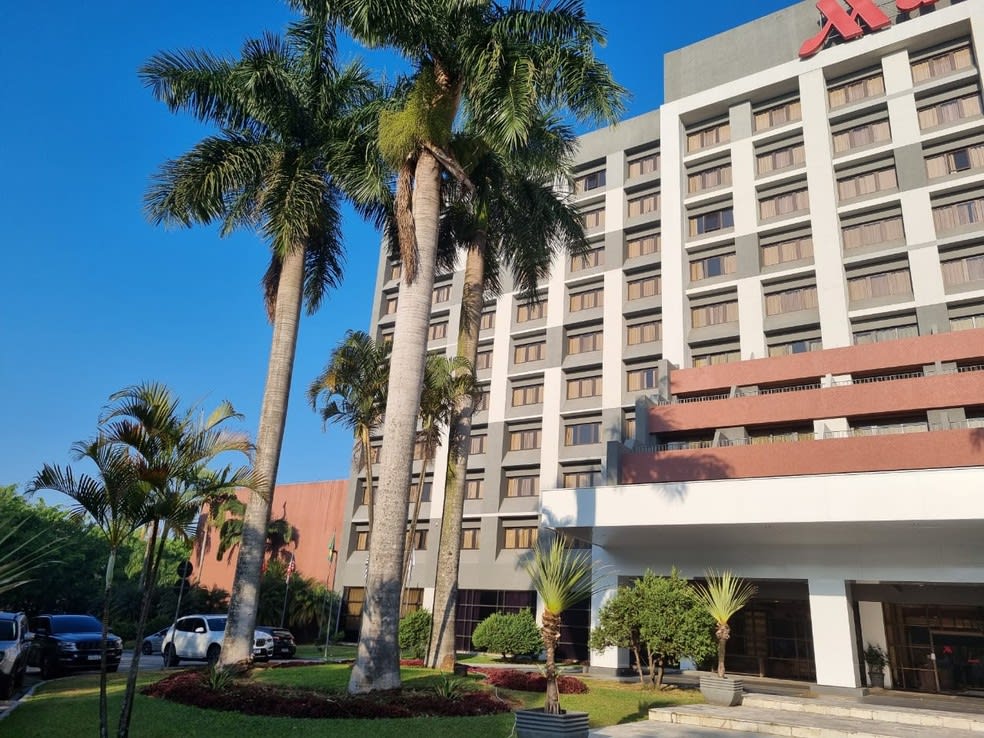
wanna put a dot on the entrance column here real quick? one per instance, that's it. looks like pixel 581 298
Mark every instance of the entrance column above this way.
pixel 610 660
pixel 834 645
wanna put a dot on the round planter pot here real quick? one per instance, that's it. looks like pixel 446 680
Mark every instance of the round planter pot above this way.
pixel 538 724
pixel 876 679
pixel 723 691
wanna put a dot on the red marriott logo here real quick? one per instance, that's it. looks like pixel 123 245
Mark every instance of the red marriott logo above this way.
pixel 854 21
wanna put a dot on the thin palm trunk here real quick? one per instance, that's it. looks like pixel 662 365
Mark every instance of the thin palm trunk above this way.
pixel 367 455
pixel 442 648
pixel 412 531
pixel 723 634
pixel 107 593
pixel 244 601
pixel 377 665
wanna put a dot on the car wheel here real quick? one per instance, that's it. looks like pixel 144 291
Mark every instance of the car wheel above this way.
pixel 19 677
pixel 170 657
pixel 146 649
pixel 212 655
pixel 49 669
pixel 6 687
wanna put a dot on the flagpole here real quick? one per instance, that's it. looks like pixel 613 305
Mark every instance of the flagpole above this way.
pixel 329 589
pixel 290 570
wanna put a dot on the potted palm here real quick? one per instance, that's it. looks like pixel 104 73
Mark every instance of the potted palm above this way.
pixel 562 577
pixel 722 595
pixel 876 659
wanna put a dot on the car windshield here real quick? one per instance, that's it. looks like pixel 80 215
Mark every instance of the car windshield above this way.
pixel 75 624
pixel 7 630
pixel 216 624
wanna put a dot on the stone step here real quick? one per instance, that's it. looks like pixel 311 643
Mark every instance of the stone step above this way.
pixel 940 719
pixel 797 724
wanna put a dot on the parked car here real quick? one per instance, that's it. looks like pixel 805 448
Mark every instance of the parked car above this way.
pixel 153 642
pixel 284 646
pixel 15 640
pixel 71 642
pixel 199 638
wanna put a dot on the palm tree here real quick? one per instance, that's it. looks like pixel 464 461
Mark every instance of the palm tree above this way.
pixel 491 66
pixel 352 388
pixel 117 502
pixel 562 576
pixel 231 511
pixel 722 595
pixel 19 559
pixel 296 135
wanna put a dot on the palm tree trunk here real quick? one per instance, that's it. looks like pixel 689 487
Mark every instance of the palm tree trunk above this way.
pixel 377 665
pixel 107 593
pixel 442 649
pixel 412 530
pixel 244 601
pixel 551 634
pixel 367 454
pixel 723 633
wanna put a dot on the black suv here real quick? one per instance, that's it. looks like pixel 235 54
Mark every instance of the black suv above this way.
pixel 71 642
pixel 284 646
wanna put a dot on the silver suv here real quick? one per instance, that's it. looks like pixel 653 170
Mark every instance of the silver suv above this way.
pixel 14 642
pixel 199 638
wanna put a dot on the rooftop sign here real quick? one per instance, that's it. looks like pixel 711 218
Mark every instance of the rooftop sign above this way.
pixel 860 17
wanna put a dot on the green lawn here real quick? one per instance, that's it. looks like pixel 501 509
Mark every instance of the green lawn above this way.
pixel 69 708
pixel 336 651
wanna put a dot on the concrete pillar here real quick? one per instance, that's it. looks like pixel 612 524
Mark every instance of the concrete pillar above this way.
pixel 873 631
pixel 834 643
pixel 609 660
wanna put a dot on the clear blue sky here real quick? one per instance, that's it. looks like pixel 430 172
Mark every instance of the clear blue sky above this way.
pixel 95 298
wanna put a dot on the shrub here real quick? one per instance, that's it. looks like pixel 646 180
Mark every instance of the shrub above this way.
pixel 415 631
pixel 511 635
pixel 530 681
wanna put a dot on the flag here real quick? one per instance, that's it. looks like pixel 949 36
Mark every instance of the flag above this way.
pixel 331 548
pixel 290 568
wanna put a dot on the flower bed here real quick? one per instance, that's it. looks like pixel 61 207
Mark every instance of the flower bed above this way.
pixel 529 681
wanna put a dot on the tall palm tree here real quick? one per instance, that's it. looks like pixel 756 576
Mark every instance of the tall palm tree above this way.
pixel 119 505
pixel 722 595
pixel 352 390
pixel 19 559
pixel 491 66
pixel 296 136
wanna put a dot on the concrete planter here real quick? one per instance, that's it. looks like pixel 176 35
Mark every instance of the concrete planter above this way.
pixel 538 724
pixel 722 691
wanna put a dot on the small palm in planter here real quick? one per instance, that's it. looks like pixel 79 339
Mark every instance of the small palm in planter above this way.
pixel 562 576
pixel 723 595
pixel 876 659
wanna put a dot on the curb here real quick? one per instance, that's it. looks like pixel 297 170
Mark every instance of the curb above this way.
pixel 16 703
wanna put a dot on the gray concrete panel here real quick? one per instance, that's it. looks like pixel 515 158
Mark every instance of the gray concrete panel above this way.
pixel 910 167
pixel 932 319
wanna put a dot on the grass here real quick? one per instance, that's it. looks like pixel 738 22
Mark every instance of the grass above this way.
pixel 335 651
pixel 68 707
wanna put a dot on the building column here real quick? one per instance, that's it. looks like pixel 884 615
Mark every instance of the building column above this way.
pixel 834 642
pixel 609 660
pixel 873 630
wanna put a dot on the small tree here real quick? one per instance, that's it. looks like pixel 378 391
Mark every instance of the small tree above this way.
pixel 722 596
pixel 618 626
pixel 510 634
pixel 415 630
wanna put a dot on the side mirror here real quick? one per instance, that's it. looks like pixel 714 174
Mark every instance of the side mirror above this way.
pixel 199 629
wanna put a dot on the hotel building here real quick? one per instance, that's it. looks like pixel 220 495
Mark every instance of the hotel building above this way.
pixel 771 360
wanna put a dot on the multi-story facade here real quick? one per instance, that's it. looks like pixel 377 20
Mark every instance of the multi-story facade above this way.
pixel 770 361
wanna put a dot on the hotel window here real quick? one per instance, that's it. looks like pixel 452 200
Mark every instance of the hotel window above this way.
pixel 587 300
pixel 375 453
pixel 778 115
pixel 641 379
pixel 519 538
pixel 628 425
pixel 481 399
pixel 528 395
pixel 709 179
pixel 864 134
pixel 469 539
pixel 474 489
pixel 588 182
pixel 790 249
pixel 713 266
pixel 582 434
pixel 642 165
pixel 715 314
pixel 857 90
pixel 587 260
pixel 395 271
pixel 389 307
pixel 638 289
pixel 714 358
pixel 593 219
pixel 887 333
pixel 419 450
pixel 881 284
pixel 362 540
pixel 715 220
pixel 584 343
pixel 524 440
pixel 958 215
pixel 523 486
pixel 487 322
pixel 362 490
pixel 526 312
pixel 961 271
pixel 780 347
pixel 530 352
pixel 942 64
pixel 437 331
pixel 791 301
pixel 867 183
pixel 584 387
pixel 781 158
pixel 964 159
pixel 420 540
pixel 442 293
pixel 883 230
pixel 707 137
pixel 477 443
pixel 787 203
pixel 648 203
pixel 425 493
pixel 582 479
pixel 966 317
pixel 642 246
pixel 483 360
pixel 950 111
pixel 649 332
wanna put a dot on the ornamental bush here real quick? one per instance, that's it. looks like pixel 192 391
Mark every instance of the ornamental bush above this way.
pixel 509 634
pixel 415 631
pixel 529 681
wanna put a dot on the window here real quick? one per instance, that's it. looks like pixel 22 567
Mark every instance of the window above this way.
pixel 583 387
pixel 582 479
pixel 389 307
pixel 648 332
pixel 713 266
pixel 891 333
pixel 959 160
pixel 641 379
pixel 362 540
pixel 642 246
pixel 442 293
pixel 859 89
pixel 477 443
pixel 793 249
pixel 639 289
pixel 940 65
pixel 587 182
pixel 778 115
pixel 785 204
pixel 395 271
pixel 437 331
pixel 420 540
pixel 529 395
pixel 884 230
pixel 715 220
pixel 966 322
pixel 519 537
pixel 582 434
pixel 483 360
pixel 641 165
pixel 950 111
pixel 795 347
pixel 707 137
pixel 419 450
pixel 525 486
pixel 587 300
pixel 628 427
pixel 469 539
pixel 709 179
pixel 413 600
pixel 594 257
pixel 716 314
pixel 648 203
pixel 474 489
pixel 883 284
pixel 958 215
pixel 524 440
pixel 867 183
pixel 790 301
pixel 584 343
pixel 865 134
pixel 425 493
pixel 593 219
pixel 481 399
pixel 715 358
pixel 530 311
pixel 777 159
pixel 962 271
pixel 488 321
pixel 530 352
pixel 363 492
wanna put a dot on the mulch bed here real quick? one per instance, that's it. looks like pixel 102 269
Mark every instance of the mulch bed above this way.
pixel 528 681
pixel 250 698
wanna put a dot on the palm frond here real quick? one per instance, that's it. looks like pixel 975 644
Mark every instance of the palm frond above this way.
pixel 724 594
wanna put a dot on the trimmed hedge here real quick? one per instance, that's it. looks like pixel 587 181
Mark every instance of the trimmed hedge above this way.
pixel 509 634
